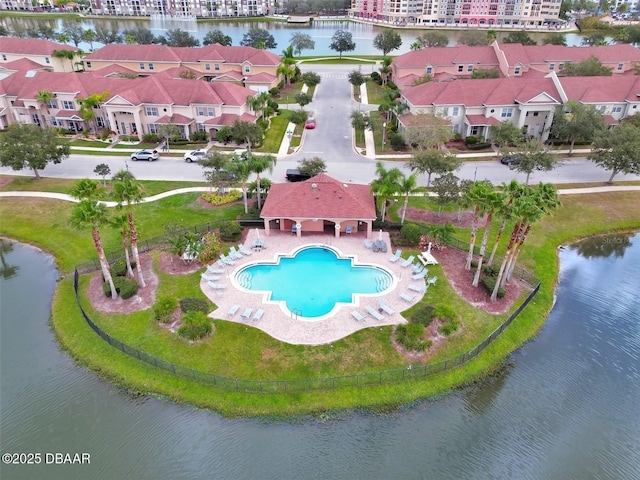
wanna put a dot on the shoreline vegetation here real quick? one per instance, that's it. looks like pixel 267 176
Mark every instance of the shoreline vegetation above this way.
pixel 30 221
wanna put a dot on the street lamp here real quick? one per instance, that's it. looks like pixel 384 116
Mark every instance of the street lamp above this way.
pixel 384 133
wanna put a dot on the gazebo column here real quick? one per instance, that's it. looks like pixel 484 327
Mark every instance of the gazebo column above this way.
pixel 298 229
pixel 337 228
pixel 369 229
pixel 266 227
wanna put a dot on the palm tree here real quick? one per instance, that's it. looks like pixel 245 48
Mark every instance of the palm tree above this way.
pixel 385 70
pixel 91 214
pixel 286 67
pixel 121 222
pixel 511 191
pixel 241 169
pixel 127 191
pixel 415 46
pixel 490 204
pixel 407 185
pixel 258 102
pixel 259 164
pixel 44 97
pixel 88 107
pixel 385 185
pixel 475 196
pixel 89 35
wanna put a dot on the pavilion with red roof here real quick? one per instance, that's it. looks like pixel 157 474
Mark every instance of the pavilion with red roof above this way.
pixel 320 204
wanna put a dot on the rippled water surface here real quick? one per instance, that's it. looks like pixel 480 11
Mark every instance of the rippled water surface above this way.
pixel 566 408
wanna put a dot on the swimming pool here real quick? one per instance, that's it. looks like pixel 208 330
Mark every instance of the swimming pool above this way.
pixel 313 280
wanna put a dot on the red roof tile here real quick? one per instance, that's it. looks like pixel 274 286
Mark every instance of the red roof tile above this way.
pixel 539 54
pixel 617 88
pixel 24 64
pixel 175 119
pixel 328 199
pixel 229 119
pixel 33 46
pixel 481 120
pixel 439 56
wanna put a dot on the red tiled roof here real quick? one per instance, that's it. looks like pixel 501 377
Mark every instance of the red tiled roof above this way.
pixel 481 120
pixel 617 88
pixel 176 119
pixel 24 64
pixel 33 46
pixel 328 199
pixel 229 119
pixel 437 56
pixel 538 54
pixel 113 70
pixel 262 77
pixel 70 114
pixel 609 120
pixel 233 75
pixel 135 53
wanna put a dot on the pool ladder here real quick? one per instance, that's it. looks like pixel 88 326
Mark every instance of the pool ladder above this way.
pixel 295 313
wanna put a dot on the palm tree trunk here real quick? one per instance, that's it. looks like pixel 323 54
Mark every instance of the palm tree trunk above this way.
pixel 459 213
pixel 495 245
pixel 512 266
pixel 472 242
pixel 127 258
pixel 134 248
pixel 509 259
pixel 514 234
pixel 104 265
pixel 483 247
pixel 244 197
pixel 259 194
pixel 404 209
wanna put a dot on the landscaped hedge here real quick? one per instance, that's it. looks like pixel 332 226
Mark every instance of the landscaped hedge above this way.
pixel 490 283
pixel 163 308
pixel 230 232
pixel 410 337
pixel 125 287
pixel 119 268
pixel 194 305
pixel 195 325
pixel 215 199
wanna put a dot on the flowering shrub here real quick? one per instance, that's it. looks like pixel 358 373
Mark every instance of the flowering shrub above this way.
pixel 210 248
pixel 215 199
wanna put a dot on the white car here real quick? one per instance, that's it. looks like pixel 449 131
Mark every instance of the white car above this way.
pixel 149 155
pixel 194 155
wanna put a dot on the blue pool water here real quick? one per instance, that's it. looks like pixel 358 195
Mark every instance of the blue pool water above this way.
pixel 314 280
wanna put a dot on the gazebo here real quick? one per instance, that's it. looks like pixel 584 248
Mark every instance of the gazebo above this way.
pixel 320 204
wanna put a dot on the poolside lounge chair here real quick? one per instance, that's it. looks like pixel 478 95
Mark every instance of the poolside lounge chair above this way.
pixel 243 250
pixel 368 244
pixel 408 261
pixel 407 297
pixel 247 313
pixel 417 268
pixel 226 259
pixel 210 278
pixel 258 314
pixel 383 305
pixel 348 230
pixel 216 286
pixel 417 288
pixel 233 253
pixel 396 256
pixel 232 311
pixel 418 276
pixel 432 280
pixel 374 313
pixel 357 315
pixel 214 270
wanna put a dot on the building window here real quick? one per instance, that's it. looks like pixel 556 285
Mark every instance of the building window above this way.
pixel 506 112
pixel 205 111
pixel 620 67
pixel 456 128
pixel 561 66
pixel 4 57
pixel 216 67
pixel 516 71
pixel 47 60
pixel 470 68
pixel 52 104
pixel 142 66
pixel 207 66
pixel 202 127
pixel 552 66
pixel 445 111
pixel 88 64
pixel 616 109
pixel 429 70
pixel 153 128
pixel 151 66
pixel 100 122
pixel 460 68
pixel 474 130
pixel 247 69
pixel 68 105
pixel 54 122
pixel 455 111
pixel 151 111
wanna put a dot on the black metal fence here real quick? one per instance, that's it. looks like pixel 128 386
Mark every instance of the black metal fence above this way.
pixel 284 386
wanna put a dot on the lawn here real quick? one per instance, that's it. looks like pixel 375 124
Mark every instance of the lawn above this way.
pixel 375 92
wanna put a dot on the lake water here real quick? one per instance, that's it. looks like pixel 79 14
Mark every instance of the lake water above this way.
pixel 566 407
pixel 320 31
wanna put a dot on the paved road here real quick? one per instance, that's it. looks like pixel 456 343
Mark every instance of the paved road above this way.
pixel 332 140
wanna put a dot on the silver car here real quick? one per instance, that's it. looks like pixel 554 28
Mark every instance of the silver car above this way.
pixel 149 155
pixel 194 156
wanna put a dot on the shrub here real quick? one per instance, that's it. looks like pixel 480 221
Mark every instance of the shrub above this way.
pixel 409 336
pixel 151 138
pixel 194 305
pixel 210 248
pixel 396 140
pixel 119 268
pixel 490 270
pixel 392 86
pixel 445 312
pixel 479 146
pixel 375 76
pixel 225 134
pixel 199 136
pixel 216 199
pixel 490 283
pixel 472 140
pixel 449 327
pixel 195 325
pixel 230 232
pixel 128 287
pixel 163 309
pixel 274 92
pixel 424 316
pixel 129 138
pixel 411 232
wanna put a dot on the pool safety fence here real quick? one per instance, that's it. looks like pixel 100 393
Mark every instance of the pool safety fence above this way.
pixel 412 372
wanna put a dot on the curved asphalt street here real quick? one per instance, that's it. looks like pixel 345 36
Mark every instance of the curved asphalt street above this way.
pixel 331 140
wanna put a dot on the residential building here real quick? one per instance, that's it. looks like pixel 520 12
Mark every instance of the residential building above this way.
pixel 455 12
pixel 473 106
pixel 183 8
pixel 38 51
pixel 254 68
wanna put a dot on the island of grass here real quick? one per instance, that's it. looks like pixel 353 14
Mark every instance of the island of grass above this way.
pixel 248 353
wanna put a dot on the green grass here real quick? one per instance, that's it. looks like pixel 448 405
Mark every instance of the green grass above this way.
pixel 256 355
pixel 375 92
pixel 273 137
pixel 345 60
pixel 88 143
pixel 288 95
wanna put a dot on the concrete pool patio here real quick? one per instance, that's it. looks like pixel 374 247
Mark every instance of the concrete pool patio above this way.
pixel 281 326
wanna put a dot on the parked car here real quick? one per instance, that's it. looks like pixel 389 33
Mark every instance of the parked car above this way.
pixel 194 155
pixel 294 175
pixel 310 123
pixel 511 159
pixel 149 155
pixel 241 153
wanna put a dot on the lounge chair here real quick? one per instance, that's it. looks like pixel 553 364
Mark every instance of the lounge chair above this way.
pixel 247 313
pixel 368 244
pixel 374 313
pixel 348 230
pixel 232 311
pixel 432 280
pixel 427 259
pixel 408 261
pixel 210 278
pixel 216 286
pixel 226 259
pixel 258 314
pixel 417 268
pixel 214 270
pixel 234 254
pixel 417 288
pixel 418 276
pixel 407 298
pixel 357 315
pixel 396 256
pixel 243 250
pixel 383 305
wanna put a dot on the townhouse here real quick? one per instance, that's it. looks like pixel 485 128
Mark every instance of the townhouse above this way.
pixel 473 106
pixel 41 52
pixel 510 59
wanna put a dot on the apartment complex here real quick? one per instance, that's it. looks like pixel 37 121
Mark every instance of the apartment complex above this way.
pixel 458 12
pixel 40 52
pixel 183 8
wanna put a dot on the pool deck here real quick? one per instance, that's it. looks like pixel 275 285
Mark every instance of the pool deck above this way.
pixel 281 324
